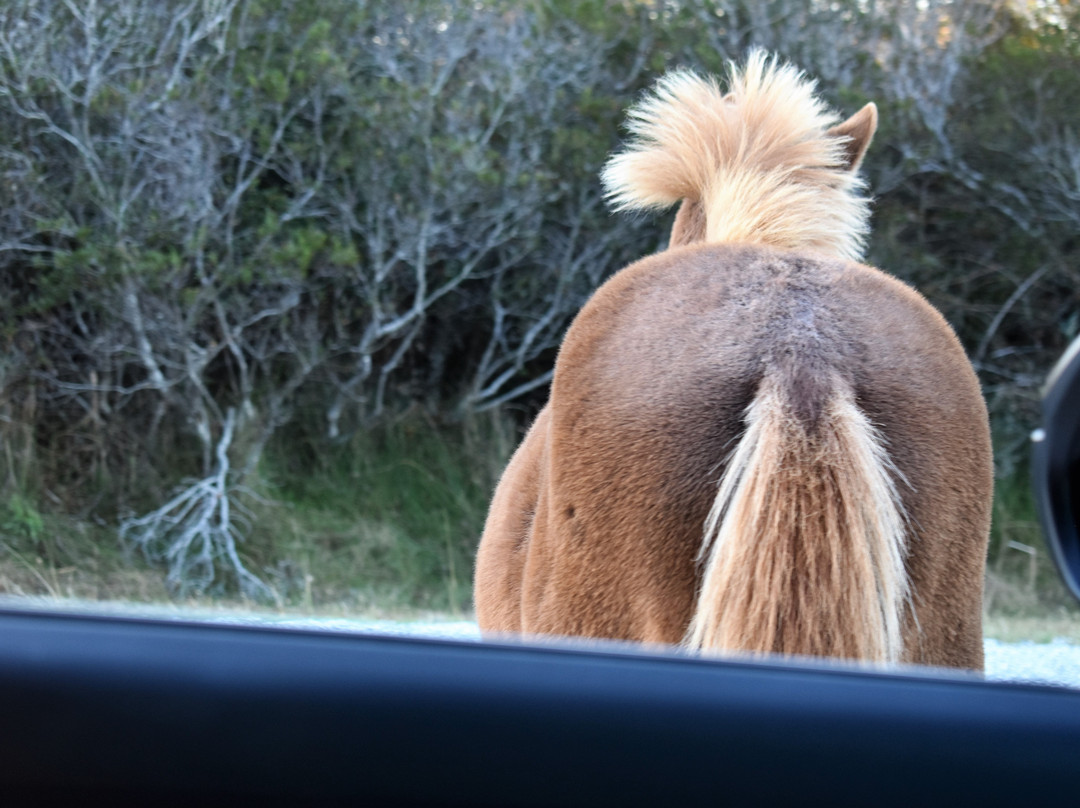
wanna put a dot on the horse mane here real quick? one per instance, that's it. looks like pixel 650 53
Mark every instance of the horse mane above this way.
pixel 765 162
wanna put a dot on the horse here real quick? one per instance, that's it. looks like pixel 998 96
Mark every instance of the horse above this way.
pixel 753 442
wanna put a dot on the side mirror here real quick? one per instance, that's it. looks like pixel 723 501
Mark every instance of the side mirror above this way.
pixel 1056 465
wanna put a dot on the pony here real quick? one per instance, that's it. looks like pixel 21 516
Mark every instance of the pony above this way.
pixel 753 442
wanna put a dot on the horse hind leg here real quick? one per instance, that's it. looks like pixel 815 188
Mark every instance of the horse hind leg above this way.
pixel 500 558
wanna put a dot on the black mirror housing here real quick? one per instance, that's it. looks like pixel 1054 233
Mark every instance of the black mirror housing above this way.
pixel 1056 465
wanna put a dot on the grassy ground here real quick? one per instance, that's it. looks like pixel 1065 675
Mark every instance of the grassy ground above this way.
pixel 389 521
pixel 1025 598
pixel 386 526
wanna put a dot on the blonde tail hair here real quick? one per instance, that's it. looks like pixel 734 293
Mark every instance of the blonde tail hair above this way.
pixel 805 543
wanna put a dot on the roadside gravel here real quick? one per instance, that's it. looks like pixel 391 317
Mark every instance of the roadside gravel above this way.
pixel 1055 662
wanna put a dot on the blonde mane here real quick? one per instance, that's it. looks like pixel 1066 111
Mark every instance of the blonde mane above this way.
pixel 761 160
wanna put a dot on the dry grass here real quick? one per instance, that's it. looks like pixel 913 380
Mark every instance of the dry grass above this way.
pixel 1065 625
pixel 122 587
pixel 35 578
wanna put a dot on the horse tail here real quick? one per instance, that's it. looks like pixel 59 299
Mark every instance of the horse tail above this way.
pixel 805 542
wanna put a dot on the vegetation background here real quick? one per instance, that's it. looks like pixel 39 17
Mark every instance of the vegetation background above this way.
pixel 281 281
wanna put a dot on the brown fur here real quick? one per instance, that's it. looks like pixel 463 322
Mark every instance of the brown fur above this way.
pixel 757 444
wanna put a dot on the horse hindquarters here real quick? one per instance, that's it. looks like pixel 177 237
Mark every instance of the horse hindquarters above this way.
pixel 805 540
pixel 597 521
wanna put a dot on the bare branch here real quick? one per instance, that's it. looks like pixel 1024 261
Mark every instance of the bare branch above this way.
pixel 195 532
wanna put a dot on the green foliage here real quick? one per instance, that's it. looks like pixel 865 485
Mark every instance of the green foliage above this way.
pixel 19 517
pixel 394 514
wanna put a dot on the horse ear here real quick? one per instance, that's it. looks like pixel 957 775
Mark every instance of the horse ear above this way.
pixel 689 225
pixel 859 130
